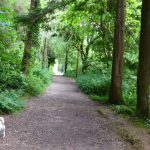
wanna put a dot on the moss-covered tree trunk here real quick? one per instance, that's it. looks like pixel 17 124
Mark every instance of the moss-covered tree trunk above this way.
pixel 84 51
pixel 27 52
pixel 45 54
pixel 117 64
pixel 77 63
pixel 143 78
pixel 66 59
pixel 29 39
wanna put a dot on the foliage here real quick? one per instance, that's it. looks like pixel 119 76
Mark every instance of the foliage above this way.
pixel 70 73
pixel 94 84
pixel 12 80
pixel 83 26
pixel 123 109
pixel 37 81
pixel 57 48
pixel 98 98
pixel 129 87
pixel 10 102
pixel 10 56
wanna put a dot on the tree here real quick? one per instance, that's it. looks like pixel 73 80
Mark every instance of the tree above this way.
pixel 32 20
pixel 29 40
pixel 66 59
pixel 143 77
pixel 45 53
pixel 77 62
pixel 117 64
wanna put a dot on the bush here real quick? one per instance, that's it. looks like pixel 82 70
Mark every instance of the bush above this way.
pixel 33 84
pixel 37 81
pixel 71 73
pixel 94 84
pixel 10 78
pixel 10 102
pixel 97 98
pixel 123 109
pixel 43 74
pixel 129 88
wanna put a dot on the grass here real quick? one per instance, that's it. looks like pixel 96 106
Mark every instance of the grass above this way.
pixel 126 136
pixel 97 98
pixel 140 122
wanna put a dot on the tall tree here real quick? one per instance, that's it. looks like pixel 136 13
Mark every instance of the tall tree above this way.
pixel 117 64
pixel 32 21
pixel 45 53
pixel 77 62
pixel 143 77
pixel 66 59
pixel 29 39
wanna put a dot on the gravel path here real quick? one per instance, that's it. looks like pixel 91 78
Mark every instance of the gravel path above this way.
pixel 62 118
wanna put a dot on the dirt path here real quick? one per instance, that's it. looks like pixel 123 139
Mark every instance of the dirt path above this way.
pixel 61 119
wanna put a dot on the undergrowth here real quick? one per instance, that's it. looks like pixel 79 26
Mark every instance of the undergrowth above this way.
pixel 94 84
pixel 11 99
pixel 37 81
pixel 10 102
pixel 70 73
pixel 98 85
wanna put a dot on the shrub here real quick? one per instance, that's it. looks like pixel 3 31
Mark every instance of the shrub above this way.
pixel 10 102
pixel 71 73
pixel 10 78
pixel 94 84
pixel 43 74
pixel 129 88
pixel 34 85
pixel 123 109
pixel 37 81
pixel 96 98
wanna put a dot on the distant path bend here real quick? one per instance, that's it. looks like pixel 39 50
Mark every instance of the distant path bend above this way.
pixel 62 118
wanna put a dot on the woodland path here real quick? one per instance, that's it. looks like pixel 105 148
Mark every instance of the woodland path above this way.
pixel 62 118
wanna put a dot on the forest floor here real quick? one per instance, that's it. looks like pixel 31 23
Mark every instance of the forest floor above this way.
pixel 63 118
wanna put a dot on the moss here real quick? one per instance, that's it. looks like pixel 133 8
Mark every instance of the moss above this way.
pixel 133 141
pixel 101 113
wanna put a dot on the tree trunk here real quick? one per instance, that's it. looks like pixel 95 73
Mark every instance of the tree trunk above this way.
pixel 45 54
pixel 117 64
pixel 27 53
pixel 143 77
pixel 66 60
pixel 28 41
pixel 77 65
pixel 84 56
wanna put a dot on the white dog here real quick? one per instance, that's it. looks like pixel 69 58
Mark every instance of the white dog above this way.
pixel 2 127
